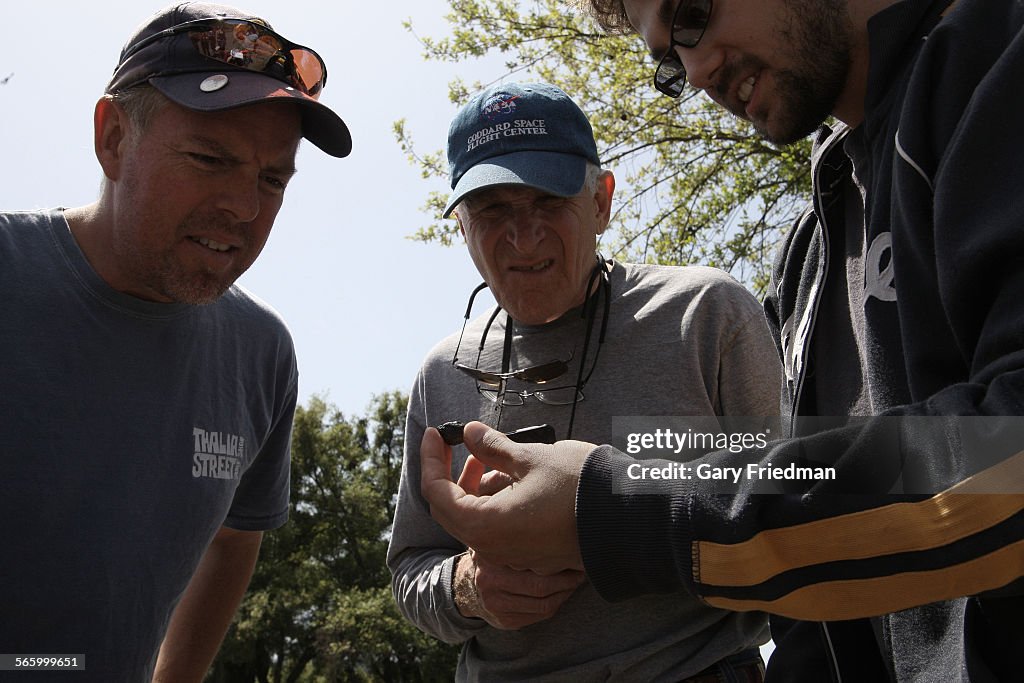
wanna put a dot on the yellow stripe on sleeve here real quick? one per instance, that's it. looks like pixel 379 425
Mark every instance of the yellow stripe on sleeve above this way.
pixel 857 598
pixel 953 514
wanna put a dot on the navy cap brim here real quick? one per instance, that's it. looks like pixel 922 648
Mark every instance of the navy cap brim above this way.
pixel 556 173
pixel 320 125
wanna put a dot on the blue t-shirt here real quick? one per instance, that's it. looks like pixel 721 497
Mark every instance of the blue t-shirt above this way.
pixel 130 432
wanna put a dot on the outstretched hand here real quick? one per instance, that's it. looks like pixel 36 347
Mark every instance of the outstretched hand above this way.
pixel 524 517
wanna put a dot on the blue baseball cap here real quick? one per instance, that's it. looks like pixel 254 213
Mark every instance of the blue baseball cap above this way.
pixel 519 134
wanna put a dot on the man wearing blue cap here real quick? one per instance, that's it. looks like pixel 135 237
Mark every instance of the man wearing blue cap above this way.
pixel 147 400
pixel 575 340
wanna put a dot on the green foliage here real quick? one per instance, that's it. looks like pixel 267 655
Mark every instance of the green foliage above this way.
pixel 319 607
pixel 696 185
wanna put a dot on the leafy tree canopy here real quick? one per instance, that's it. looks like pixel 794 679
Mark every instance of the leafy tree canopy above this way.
pixel 319 607
pixel 696 185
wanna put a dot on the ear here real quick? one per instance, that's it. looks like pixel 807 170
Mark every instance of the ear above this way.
pixel 111 129
pixel 603 199
pixel 458 219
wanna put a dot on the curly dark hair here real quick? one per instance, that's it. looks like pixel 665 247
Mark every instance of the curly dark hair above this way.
pixel 609 14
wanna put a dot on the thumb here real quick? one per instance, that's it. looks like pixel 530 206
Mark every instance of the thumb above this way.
pixel 435 469
pixel 497 451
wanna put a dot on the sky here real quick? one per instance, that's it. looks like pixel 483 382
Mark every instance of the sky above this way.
pixel 363 302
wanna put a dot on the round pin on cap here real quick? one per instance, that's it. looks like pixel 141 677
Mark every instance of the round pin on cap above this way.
pixel 213 83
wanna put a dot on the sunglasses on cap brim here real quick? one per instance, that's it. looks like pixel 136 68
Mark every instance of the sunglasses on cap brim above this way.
pixel 251 46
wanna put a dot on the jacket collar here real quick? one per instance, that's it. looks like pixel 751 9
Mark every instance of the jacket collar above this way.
pixel 894 35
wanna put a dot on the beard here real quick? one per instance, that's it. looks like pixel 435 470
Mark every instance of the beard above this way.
pixel 194 285
pixel 819 37
pixel 159 270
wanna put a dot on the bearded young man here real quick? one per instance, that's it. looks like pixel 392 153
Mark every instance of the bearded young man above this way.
pixel 898 298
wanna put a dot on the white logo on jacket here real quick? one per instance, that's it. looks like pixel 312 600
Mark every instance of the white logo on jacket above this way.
pixel 879 279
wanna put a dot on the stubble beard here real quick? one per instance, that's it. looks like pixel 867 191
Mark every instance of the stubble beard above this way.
pixel 820 33
pixel 163 273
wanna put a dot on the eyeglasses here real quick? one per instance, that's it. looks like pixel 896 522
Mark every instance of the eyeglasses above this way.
pixel 555 396
pixel 538 374
pixel 688 25
pixel 495 382
pixel 494 385
pixel 252 46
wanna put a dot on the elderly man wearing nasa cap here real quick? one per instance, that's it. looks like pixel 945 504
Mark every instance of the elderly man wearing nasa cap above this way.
pixel 148 400
pixel 574 340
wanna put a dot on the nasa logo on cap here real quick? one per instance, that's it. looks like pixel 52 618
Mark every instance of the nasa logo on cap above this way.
pixel 499 106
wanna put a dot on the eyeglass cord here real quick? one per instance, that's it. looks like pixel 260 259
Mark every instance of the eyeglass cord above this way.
pixel 588 313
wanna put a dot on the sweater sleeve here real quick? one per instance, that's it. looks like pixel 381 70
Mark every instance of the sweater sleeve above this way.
pixel 749 368
pixel 421 555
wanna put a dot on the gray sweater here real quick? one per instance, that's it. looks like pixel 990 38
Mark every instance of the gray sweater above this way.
pixel 680 342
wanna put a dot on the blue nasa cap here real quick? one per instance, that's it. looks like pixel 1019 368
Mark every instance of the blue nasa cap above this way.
pixel 519 134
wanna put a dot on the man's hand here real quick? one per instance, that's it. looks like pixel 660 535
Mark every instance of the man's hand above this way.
pixel 509 598
pixel 528 524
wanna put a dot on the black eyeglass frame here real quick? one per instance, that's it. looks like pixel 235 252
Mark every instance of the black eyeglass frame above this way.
pixel 670 74
pixel 599 274
pixel 535 374
pixel 513 397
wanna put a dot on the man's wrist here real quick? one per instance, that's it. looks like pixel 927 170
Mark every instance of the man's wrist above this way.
pixel 464 593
